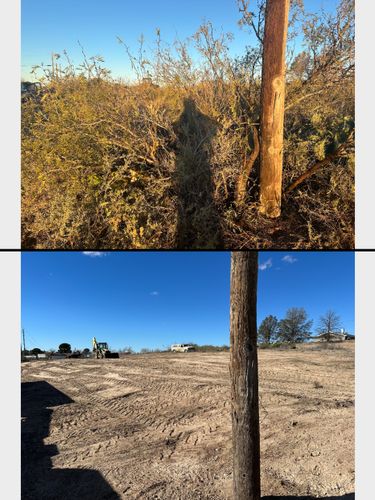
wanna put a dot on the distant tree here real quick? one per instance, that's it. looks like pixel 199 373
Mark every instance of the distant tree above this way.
pixel 208 347
pixel 86 350
pixel 147 350
pixel 295 327
pixel 127 349
pixel 36 350
pixel 65 348
pixel 329 322
pixel 268 330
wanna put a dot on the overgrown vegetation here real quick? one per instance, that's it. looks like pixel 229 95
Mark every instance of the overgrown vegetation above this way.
pixel 210 347
pixel 156 163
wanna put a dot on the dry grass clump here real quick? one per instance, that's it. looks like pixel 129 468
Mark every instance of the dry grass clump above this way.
pixel 328 346
pixel 155 163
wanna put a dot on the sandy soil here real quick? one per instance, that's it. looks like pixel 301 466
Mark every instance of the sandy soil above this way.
pixel 158 426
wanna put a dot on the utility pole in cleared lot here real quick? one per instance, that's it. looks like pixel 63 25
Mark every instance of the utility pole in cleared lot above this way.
pixel 244 376
pixel 273 99
pixel 23 340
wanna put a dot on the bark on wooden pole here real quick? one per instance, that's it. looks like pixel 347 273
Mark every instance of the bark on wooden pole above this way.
pixel 273 104
pixel 244 376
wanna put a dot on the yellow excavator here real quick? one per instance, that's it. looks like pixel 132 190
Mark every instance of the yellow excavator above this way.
pixel 102 351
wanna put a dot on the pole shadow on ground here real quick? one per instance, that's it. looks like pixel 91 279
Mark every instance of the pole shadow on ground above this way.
pixel 198 224
pixel 38 478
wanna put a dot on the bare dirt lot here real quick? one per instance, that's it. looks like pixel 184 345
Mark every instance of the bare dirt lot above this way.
pixel 158 426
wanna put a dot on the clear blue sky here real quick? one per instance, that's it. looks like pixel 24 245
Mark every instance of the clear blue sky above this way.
pixel 153 299
pixel 54 25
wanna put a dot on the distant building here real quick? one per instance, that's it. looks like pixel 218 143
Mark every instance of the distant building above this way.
pixel 332 337
pixel 29 87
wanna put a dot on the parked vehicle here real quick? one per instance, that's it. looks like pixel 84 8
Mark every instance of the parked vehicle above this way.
pixel 182 347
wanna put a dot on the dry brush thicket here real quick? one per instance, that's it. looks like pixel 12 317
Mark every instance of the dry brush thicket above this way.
pixel 162 162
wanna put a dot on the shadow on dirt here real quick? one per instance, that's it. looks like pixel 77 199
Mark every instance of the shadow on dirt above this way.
pixel 38 479
pixel 348 496
pixel 198 224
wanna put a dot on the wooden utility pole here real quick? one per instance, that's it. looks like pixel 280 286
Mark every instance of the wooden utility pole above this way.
pixel 273 103
pixel 23 338
pixel 244 376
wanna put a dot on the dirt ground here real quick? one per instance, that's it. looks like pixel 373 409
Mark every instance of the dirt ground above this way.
pixel 158 426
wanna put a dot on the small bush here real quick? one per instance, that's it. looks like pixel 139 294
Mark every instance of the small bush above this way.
pixel 210 348
pixel 328 346
pixel 274 345
pixel 318 385
pixel 147 350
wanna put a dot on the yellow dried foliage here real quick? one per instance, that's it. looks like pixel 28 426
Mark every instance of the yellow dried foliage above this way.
pixel 142 165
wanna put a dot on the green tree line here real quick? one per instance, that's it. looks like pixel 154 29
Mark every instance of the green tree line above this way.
pixel 295 327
